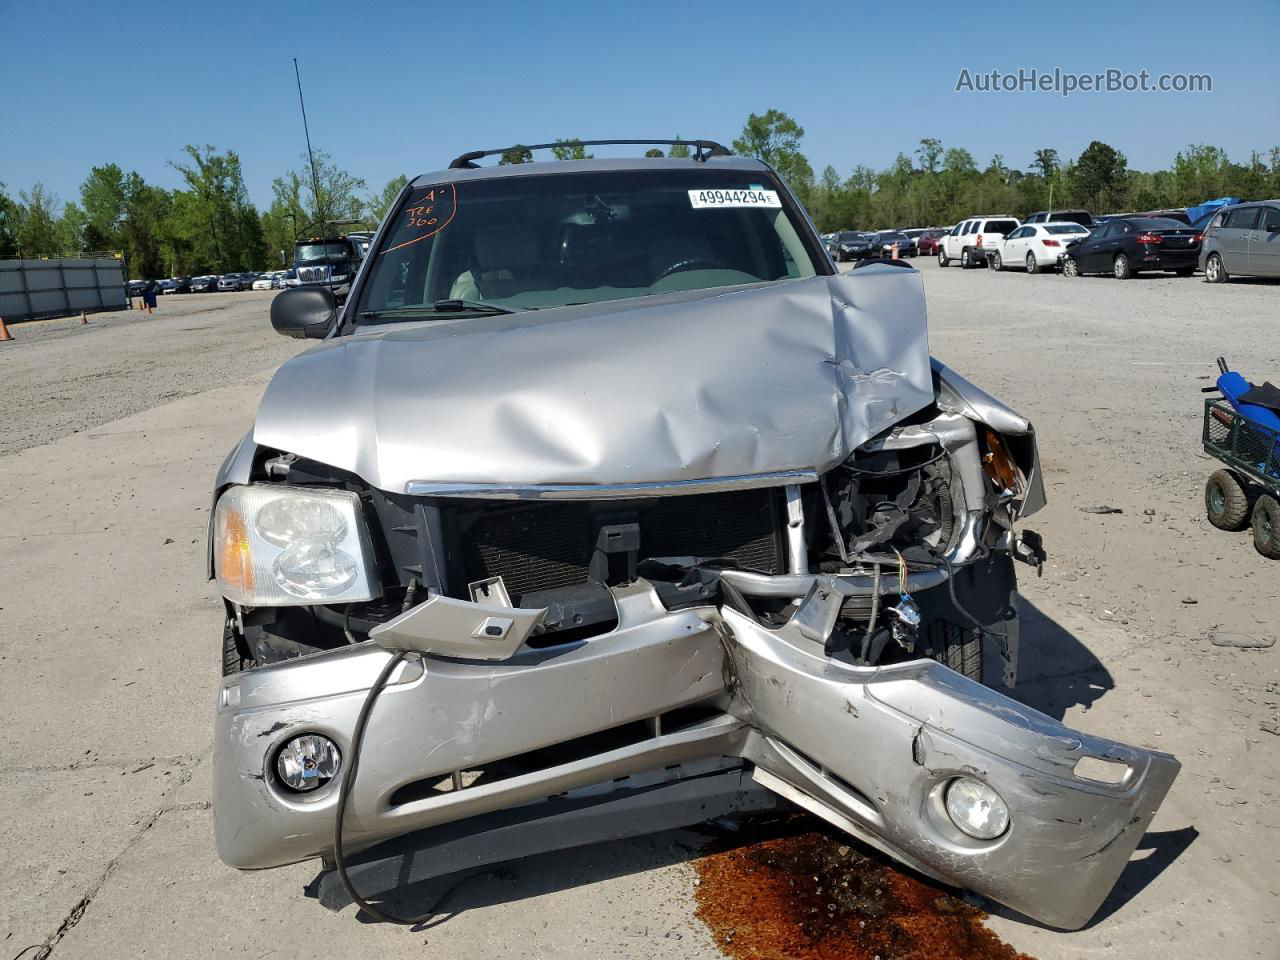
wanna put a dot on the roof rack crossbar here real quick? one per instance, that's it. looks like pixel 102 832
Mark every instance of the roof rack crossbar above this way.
pixel 703 149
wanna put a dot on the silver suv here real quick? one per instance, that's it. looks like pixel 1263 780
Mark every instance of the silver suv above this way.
pixel 606 505
pixel 1244 241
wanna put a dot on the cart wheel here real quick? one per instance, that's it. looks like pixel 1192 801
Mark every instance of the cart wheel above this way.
pixel 1226 502
pixel 1266 526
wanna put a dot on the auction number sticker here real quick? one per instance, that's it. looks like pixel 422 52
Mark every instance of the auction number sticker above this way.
pixel 734 198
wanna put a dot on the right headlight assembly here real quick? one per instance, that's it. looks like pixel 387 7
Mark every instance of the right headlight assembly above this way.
pixel 278 546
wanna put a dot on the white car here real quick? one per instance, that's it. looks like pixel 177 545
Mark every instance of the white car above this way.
pixel 970 239
pixel 1035 246
pixel 263 283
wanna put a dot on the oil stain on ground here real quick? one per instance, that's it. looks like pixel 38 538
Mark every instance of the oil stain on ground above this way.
pixel 802 893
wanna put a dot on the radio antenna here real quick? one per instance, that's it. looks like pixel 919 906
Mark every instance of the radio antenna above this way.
pixel 321 208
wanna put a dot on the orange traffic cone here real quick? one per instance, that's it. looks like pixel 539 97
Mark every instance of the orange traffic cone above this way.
pixel 4 331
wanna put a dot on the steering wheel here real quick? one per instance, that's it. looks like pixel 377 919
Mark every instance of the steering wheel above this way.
pixel 693 263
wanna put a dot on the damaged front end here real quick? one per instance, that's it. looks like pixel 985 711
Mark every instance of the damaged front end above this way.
pixel 599 651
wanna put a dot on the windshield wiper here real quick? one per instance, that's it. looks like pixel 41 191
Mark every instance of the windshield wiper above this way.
pixel 440 306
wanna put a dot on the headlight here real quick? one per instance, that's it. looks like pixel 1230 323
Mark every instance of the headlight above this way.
pixel 278 546
pixel 976 809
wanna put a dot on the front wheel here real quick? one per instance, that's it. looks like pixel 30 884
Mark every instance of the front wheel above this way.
pixel 957 647
pixel 1120 267
pixel 233 658
pixel 1032 266
pixel 943 259
pixel 1214 271
pixel 997 263
pixel 1070 268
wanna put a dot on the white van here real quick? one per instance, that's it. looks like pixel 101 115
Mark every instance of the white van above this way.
pixel 970 239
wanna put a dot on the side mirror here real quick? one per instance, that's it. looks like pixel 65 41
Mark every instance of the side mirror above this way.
pixel 303 311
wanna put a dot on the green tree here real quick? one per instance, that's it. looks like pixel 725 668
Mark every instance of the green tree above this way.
pixel 9 214
pixel 102 196
pixel 71 230
pixel 653 152
pixel 37 232
pixel 679 151
pixel 215 223
pixel 1098 179
pixel 1045 161
pixel 570 150
pixel 775 138
pixel 338 197
pixel 929 152
pixel 517 154
pixel 379 205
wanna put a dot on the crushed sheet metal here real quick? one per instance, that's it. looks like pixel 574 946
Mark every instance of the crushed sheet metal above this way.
pixel 792 375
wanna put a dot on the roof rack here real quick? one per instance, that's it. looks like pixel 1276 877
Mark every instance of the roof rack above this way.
pixel 703 148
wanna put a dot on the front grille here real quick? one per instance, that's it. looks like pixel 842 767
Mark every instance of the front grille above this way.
pixel 542 546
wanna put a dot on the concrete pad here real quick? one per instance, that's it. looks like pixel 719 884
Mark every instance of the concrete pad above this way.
pixel 62 830
pixel 629 900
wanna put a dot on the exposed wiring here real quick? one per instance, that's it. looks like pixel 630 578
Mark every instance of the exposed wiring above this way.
pixel 34 946
pixel 345 785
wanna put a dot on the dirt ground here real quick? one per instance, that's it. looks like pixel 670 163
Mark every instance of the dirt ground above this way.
pixel 109 638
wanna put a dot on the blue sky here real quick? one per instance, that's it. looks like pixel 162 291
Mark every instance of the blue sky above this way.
pixel 89 83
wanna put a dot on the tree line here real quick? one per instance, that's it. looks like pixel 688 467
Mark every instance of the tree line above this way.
pixel 209 225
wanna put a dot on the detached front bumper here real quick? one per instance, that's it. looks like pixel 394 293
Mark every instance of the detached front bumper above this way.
pixel 871 750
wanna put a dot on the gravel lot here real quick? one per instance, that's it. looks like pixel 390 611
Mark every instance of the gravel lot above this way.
pixel 109 636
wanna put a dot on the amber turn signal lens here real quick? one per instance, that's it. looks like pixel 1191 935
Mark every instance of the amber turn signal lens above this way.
pixel 234 554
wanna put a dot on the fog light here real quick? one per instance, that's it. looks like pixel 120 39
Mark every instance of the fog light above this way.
pixel 976 809
pixel 308 762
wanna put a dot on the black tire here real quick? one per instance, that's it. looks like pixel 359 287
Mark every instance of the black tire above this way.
pixel 943 259
pixel 1266 527
pixel 1033 266
pixel 966 259
pixel 1120 267
pixel 1070 267
pixel 1226 502
pixel 1214 270
pixel 996 261
pixel 233 658
pixel 957 647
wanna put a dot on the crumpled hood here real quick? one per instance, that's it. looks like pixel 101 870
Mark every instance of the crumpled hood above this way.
pixel 788 376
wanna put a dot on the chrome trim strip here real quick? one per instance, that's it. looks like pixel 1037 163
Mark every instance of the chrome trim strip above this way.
pixel 607 491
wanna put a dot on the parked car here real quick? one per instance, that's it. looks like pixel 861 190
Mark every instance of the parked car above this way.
pixel 181 284
pixel 1082 217
pixel 883 240
pixel 1175 213
pixel 969 240
pixel 929 240
pixel 850 245
pixel 1035 246
pixel 135 288
pixel 609 594
pixel 168 286
pixel 206 284
pixel 230 283
pixel 263 281
pixel 1242 241
pixel 1128 246
pixel 290 278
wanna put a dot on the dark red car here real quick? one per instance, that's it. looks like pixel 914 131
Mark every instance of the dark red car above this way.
pixel 927 242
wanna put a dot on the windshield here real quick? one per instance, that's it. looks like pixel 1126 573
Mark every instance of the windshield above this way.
pixel 321 252
pixel 525 242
